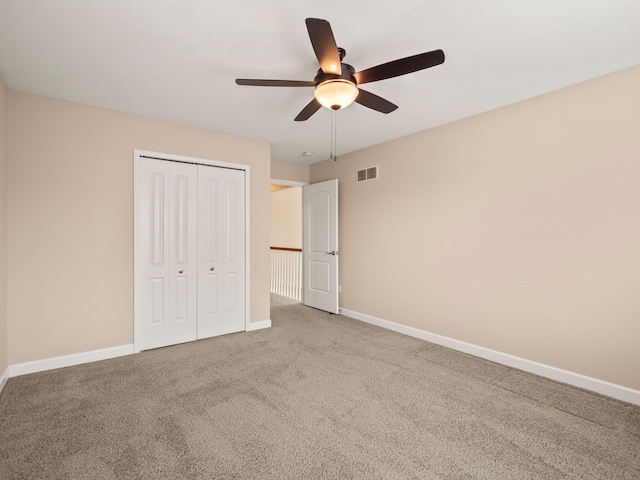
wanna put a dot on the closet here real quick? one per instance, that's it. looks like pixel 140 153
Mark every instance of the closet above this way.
pixel 190 252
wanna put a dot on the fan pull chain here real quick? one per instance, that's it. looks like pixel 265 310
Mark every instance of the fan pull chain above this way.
pixel 334 135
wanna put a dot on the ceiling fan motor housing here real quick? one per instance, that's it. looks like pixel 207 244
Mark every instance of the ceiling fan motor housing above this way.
pixel 347 74
pixel 347 77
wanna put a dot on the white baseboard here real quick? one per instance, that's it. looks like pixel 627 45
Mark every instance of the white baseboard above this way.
pixel 86 357
pixel 4 378
pixel 577 380
pixel 69 360
pixel 251 326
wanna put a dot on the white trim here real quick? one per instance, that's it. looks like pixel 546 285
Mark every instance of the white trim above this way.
pixel 182 158
pixel 577 380
pixel 136 249
pixel 137 154
pixel 247 250
pixel 69 360
pixel 4 378
pixel 288 183
pixel 258 325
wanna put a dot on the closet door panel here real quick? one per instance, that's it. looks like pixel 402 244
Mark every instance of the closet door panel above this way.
pixel 167 261
pixel 221 243
pixel 234 245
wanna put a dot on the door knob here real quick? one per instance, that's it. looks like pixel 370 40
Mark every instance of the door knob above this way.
pixel 180 271
pixel 333 252
pixel 212 269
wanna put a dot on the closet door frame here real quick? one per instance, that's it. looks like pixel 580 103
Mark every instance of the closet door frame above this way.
pixel 137 156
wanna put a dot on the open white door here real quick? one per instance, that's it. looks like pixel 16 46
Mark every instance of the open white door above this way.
pixel 320 245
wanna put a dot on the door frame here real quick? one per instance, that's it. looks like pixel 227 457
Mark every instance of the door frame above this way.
pixel 295 183
pixel 137 157
pixel 290 183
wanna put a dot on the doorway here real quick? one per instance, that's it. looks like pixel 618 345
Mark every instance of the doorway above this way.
pixel 286 239
pixel 306 219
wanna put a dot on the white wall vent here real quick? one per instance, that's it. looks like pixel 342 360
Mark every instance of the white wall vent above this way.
pixel 364 174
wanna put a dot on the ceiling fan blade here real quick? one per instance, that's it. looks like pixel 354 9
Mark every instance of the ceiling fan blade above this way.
pixel 375 102
pixel 401 66
pixel 274 83
pixel 312 107
pixel 324 44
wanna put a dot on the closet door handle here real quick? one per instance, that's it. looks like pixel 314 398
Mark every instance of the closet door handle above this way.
pixel 212 269
pixel 180 271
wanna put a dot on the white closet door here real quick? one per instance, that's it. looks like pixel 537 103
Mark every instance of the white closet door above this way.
pixel 168 253
pixel 221 251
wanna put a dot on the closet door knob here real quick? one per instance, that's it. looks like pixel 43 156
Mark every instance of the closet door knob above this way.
pixel 180 271
pixel 212 269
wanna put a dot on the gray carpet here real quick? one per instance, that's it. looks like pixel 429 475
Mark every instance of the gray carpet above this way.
pixel 315 396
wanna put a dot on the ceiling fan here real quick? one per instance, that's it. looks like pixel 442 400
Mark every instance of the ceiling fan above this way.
pixel 336 83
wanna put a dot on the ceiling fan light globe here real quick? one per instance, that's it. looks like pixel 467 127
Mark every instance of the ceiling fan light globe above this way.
pixel 336 93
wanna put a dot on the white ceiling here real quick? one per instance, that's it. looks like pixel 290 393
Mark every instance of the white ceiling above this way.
pixel 177 59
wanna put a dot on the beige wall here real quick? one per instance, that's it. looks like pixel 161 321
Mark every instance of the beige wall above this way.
pixel 70 220
pixel 286 218
pixel 296 172
pixel 516 230
pixel 3 226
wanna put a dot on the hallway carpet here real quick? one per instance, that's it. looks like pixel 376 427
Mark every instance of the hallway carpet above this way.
pixel 315 396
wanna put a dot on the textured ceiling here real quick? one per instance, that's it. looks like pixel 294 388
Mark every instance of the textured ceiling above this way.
pixel 177 59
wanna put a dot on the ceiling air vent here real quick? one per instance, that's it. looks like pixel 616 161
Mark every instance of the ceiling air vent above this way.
pixel 364 174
